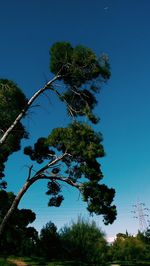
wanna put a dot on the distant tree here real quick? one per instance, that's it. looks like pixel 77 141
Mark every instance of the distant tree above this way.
pixel 84 242
pixel 49 241
pixel 128 248
pixel 144 237
pixel 77 148
pixel 18 238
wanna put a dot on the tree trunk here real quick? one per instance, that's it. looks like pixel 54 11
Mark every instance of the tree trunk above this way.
pixel 38 176
pixel 15 203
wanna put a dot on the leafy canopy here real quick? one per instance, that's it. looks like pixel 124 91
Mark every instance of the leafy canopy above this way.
pixel 77 65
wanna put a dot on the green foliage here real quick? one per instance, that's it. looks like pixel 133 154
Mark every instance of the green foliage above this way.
pixel 78 139
pixel 128 248
pixel 144 236
pixel 85 147
pixel 77 65
pixel 12 101
pixel 53 188
pixel 99 199
pixel 83 73
pixel 56 201
pixel 40 152
pixel 84 241
pixel 6 198
pixel 61 54
pixel 5 262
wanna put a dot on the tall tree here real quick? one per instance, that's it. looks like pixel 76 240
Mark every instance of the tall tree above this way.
pixel 77 148
pixel 49 241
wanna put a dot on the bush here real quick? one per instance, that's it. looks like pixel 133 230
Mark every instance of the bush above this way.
pixel 83 241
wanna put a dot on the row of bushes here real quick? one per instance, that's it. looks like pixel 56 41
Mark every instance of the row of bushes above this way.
pixel 81 241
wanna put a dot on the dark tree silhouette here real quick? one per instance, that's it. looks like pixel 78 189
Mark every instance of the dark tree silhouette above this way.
pixel 18 237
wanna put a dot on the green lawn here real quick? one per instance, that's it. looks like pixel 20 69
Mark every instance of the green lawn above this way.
pixel 42 262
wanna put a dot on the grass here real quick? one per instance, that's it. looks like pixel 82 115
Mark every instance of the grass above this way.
pixel 35 261
pixel 31 261
pixel 130 263
pixel 4 262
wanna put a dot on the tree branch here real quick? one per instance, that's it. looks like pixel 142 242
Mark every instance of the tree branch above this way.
pixel 71 109
pixel 24 110
pixel 38 176
pixel 63 179
pixel 57 159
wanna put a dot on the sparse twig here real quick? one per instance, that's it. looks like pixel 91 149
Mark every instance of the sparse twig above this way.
pixel 29 175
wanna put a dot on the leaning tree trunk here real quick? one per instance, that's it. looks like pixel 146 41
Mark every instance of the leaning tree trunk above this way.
pixel 30 180
pixel 2 141
pixel 15 204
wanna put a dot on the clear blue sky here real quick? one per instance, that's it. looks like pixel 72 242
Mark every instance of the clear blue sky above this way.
pixel 118 28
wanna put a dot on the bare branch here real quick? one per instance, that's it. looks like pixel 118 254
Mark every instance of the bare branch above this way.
pixel 71 109
pixel 1 130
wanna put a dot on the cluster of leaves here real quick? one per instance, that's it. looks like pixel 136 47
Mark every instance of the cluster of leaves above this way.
pixel 77 65
pixel 54 190
pixel 79 68
pixel 79 140
pixel 99 199
pixel 12 101
pixel 40 152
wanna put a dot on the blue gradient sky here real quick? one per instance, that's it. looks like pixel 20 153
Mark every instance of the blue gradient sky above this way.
pixel 122 30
